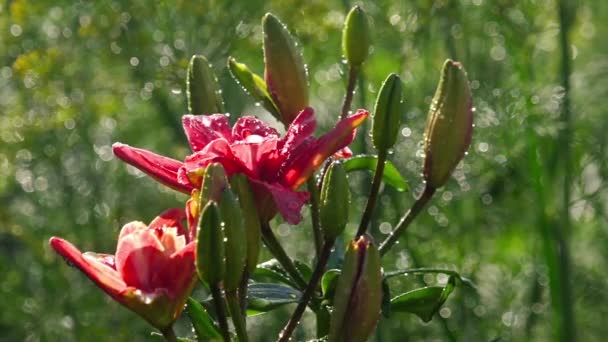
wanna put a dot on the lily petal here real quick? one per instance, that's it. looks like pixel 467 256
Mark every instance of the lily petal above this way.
pixel 100 273
pixel 170 218
pixel 248 125
pixel 298 171
pixel 161 168
pixel 202 129
pixel 288 202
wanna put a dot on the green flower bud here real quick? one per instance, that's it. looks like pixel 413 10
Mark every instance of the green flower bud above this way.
pixel 235 240
pixel 285 72
pixel 204 95
pixel 387 114
pixel 355 37
pixel 251 220
pixel 358 295
pixel 210 260
pixel 335 199
pixel 254 85
pixel 449 125
pixel 215 182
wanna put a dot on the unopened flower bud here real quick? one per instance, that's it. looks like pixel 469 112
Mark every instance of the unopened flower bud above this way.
pixel 210 260
pixel 234 239
pixel 449 125
pixel 358 295
pixel 251 220
pixel 203 92
pixel 387 114
pixel 285 72
pixel 356 37
pixel 335 199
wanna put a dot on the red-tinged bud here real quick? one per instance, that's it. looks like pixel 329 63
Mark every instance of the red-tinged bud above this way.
pixel 449 126
pixel 358 295
pixel 334 201
pixel 210 255
pixel 285 73
pixel 251 219
pixel 356 37
pixel 203 91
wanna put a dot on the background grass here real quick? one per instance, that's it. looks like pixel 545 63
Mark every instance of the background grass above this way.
pixel 524 215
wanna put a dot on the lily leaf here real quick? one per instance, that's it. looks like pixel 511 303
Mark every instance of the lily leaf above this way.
pixel 423 302
pixel 264 297
pixel 390 176
pixel 304 269
pixel 329 281
pixel 202 322
pixel 423 270
pixel 272 270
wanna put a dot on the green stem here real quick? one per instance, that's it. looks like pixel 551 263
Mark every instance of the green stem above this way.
pixel 314 210
pixel 270 240
pixel 220 310
pixel 350 90
pixel 286 333
pixel 169 334
pixel 373 194
pixel 237 317
pixel 405 221
pixel 243 291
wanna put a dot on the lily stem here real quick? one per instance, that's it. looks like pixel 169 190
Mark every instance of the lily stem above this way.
pixel 237 317
pixel 169 334
pixel 314 209
pixel 286 333
pixel 220 310
pixel 353 72
pixel 373 194
pixel 405 221
pixel 270 240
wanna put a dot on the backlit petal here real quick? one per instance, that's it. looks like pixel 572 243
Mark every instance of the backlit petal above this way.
pixel 248 125
pixel 202 129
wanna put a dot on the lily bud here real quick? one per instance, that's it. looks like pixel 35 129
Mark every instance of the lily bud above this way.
pixel 285 72
pixel 387 114
pixel 204 95
pixel 210 257
pixel 358 295
pixel 235 240
pixel 449 125
pixel 335 199
pixel 215 182
pixel 356 37
pixel 251 220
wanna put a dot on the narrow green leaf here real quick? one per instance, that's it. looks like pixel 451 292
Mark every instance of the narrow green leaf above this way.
pixel 254 85
pixel 264 297
pixel 329 281
pixel 202 322
pixel 304 269
pixel 272 270
pixel 423 302
pixel 464 280
pixel 391 175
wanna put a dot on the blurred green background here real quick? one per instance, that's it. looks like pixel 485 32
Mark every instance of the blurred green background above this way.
pixel 524 216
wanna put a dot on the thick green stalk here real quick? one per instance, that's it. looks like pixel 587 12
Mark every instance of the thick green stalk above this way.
pixel 237 317
pixel 405 221
pixel 169 334
pixel 286 333
pixel 373 195
pixel 353 73
pixel 270 240
pixel 220 310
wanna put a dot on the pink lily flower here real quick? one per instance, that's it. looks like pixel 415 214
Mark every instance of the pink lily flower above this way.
pixel 152 272
pixel 276 166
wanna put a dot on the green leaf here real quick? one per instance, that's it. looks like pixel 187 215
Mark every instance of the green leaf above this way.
pixel 264 297
pixel 304 269
pixel 201 321
pixel 254 85
pixel 391 175
pixel 423 270
pixel 272 270
pixel 423 302
pixel 329 281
